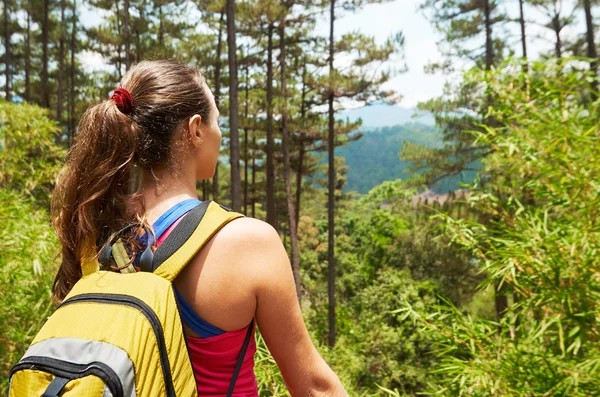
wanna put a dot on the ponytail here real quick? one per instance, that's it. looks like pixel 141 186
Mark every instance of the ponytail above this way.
pixel 92 192
pixel 92 198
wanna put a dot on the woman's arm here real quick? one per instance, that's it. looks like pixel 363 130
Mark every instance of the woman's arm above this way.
pixel 280 319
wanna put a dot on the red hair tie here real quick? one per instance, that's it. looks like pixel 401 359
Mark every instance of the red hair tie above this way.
pixel 123 100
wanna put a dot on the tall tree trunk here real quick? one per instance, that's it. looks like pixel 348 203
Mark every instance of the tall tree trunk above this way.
pixel 215 185
pixel 138 42
pixel 254 174
pixel 119 65
pixel 44 86
pixel 523 36
pixel 247 69
pixel 161 32
pixel 215 180
pixel 591 46
pixel 558 43
pixel 277 217
pixel 331 175
pixel 299 182
pixel 234 139
pixel 126 33
pixel 501 301
pixel 28 54
pixel 61 63
pixel 286 165
pixel 245 170
pixel 271 218
pixel 72 85
pixel 489 48
pixel 8 54
pixel 300 172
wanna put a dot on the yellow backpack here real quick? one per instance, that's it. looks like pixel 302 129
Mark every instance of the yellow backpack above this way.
pixel 120 334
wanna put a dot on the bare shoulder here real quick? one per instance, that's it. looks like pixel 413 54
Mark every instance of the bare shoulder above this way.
pixel 247 229
pixel 252 244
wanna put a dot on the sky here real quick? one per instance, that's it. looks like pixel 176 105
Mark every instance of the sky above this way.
pixel 382 20
pixel 421 38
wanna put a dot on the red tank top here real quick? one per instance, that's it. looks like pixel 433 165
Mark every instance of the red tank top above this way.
pixel 213 359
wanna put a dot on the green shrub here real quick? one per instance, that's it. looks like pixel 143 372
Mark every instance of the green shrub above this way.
pixel 538 236
pixel 28 247
pixel 29 155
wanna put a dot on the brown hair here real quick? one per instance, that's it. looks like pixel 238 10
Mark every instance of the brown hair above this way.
pixel 92 198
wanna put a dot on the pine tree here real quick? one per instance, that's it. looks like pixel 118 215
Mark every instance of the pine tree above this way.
pixel 246 62
pixel 271 218
pixel 72 69
pixel 218 92
pixel 45 93
pixel 234 155
pixel 591 46
pixel 522 26
pixel 7 51
pixel 331 187
pixel 360 84
pixel 463 22
pixel 558 20
pixel 127 39
pixel 28 53
pixel 286 152
pixel 61 63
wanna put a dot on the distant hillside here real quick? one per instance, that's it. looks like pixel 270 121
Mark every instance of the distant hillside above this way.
pixel 374 158
pixel 379 115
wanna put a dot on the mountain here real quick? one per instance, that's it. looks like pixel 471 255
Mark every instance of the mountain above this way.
pixel 380 115
pixel 374 158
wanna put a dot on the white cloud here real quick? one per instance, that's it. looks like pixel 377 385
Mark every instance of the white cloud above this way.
pixel 93 61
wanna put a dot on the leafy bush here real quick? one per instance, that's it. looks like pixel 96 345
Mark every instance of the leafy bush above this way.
pixel 538 237
pixel 29 156
pixel 28 247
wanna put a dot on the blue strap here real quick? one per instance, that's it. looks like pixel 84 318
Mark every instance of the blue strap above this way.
pixel 193 320
pixel 164 221
pixel 170 216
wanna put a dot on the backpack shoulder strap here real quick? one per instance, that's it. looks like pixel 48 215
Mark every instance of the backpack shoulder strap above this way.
pixel 189 236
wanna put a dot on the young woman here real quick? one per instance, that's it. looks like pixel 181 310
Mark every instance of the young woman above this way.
pixel 164 121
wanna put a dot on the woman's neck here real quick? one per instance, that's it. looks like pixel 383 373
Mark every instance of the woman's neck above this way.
pixel 161 193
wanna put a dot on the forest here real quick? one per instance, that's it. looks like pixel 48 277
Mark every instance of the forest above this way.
pixel 492 289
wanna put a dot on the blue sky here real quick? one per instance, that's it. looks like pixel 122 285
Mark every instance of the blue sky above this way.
pixel 378 20
pixel 381 20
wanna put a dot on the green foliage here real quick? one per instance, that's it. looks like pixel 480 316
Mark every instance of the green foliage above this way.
pixel 29 160
pixel 538 235
pixel 465 25
pixel 376 275
pixel 29 156
pixel 27 250
pixel 395 352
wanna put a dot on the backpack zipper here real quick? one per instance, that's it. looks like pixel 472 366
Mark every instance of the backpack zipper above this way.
pixel 69 370
pixel 138 304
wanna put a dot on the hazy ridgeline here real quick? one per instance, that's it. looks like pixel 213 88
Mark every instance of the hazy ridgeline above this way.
pixel 492 290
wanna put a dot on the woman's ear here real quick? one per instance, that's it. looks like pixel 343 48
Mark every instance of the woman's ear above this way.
pixel 195 130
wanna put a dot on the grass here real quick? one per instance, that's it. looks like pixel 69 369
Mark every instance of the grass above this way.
pixel 28 247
